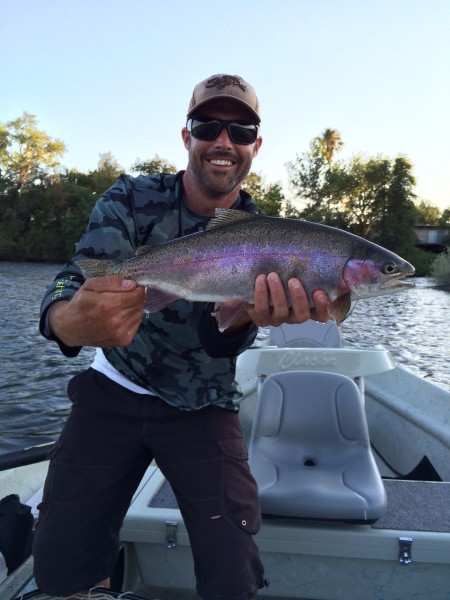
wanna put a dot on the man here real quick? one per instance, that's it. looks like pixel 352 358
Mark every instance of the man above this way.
pixel 161 386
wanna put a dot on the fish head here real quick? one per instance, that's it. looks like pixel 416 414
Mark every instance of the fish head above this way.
pixel 380 272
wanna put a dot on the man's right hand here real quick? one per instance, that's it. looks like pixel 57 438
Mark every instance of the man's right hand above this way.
pixel 104 312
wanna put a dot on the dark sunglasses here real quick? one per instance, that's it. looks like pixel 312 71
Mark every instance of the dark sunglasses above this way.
pixel 211 129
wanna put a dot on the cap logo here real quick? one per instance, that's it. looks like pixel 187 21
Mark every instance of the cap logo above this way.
pixel 224 81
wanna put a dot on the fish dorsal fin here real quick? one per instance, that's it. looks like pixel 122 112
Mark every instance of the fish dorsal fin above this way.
pixel 226 216
pixel 142 250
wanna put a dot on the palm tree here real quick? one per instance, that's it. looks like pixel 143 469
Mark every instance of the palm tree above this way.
pixel 332 142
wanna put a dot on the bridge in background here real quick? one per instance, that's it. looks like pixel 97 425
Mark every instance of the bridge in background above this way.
pixel 432 238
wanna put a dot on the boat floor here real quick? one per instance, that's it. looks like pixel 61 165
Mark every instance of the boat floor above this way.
pixel 412 505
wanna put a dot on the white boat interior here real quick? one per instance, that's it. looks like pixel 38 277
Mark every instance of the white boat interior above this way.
pixel 352 458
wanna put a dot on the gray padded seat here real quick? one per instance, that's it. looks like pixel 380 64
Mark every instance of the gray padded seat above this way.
pixel 310 451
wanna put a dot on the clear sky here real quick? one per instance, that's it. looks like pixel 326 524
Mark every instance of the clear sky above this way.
pixel 116 75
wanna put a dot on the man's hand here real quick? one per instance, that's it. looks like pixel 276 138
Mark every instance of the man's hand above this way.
pixel 271 306
pixel 104 312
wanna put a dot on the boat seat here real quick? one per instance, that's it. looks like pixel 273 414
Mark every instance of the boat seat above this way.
pixel 309 334
pixel 310 452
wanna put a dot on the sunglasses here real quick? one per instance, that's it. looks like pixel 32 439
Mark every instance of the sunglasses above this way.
pixel 210 130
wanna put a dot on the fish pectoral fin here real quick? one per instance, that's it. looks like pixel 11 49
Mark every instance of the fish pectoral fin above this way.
pixel 340 308
pixel 156 300
pixel 92 267
pixel 228 312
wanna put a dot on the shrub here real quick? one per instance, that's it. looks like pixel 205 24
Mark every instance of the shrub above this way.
pixel 440 270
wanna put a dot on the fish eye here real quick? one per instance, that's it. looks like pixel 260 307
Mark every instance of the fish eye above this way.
pixel 389 268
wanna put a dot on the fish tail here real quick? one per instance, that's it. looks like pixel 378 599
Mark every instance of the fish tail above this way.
pixel 91 267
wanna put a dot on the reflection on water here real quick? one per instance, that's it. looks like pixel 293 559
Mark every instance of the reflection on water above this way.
pixel 413 325
pixel 34 374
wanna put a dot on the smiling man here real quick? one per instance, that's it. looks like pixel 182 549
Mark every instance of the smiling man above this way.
pixel 162 386
pixel 222 138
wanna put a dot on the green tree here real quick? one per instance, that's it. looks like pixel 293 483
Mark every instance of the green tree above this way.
pixel 27 155
pixel 331 142
pixel 440 270
pixel 153 166
pixel 355 186
pixel 269 198
pixel 43 223
pixel 318 186
pixel 398 215
pixel 444 219
pixel 106 173
pixel 427 214
pixel 373 197
pixel 307 176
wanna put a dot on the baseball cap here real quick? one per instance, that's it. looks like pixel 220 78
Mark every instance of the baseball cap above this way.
pixel 224 86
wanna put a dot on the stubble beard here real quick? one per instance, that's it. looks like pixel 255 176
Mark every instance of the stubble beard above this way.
pixel 219 185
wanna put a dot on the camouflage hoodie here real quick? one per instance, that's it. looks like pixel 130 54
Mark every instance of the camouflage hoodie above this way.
pixel 178 353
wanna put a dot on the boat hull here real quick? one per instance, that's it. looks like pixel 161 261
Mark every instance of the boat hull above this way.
pixel 302 559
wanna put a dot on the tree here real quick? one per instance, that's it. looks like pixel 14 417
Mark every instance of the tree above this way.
pixel 27 154
pixel 356 185
pixel 427 214
pixel 269 198
pixel 106 173
pixel 373 197
pixel 153 166
pixel 318 186
pixel 331 142
pixel 444 219
pixel 397 220
pixel 307 177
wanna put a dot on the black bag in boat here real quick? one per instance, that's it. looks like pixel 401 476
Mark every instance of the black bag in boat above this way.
pixel 16 531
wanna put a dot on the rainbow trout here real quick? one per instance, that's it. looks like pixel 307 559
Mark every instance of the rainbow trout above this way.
pixel 221 264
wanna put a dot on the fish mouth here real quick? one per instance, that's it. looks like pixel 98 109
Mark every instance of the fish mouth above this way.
pixel 395 281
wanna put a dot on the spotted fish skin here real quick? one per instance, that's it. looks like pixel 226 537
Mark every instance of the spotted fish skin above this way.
pixel 221 264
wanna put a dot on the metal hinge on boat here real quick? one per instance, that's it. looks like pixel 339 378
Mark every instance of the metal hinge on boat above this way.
pixel 404 550
pixel 171 534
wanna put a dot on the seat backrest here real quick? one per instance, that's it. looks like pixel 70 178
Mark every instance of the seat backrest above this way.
pixel 309 334
pixel 310 452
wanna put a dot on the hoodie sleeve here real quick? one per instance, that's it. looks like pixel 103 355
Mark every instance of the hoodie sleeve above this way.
pixel 110 233
pixel 64 286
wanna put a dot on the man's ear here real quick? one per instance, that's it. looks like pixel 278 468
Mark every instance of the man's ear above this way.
pixel 186 137
pixel 257 146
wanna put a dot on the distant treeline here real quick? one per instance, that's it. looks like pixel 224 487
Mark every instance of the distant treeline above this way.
pixel 44 208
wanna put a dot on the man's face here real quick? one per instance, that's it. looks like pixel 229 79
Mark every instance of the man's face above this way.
pixel 220 166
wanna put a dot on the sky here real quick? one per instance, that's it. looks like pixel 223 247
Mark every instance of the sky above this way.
pixel 116 76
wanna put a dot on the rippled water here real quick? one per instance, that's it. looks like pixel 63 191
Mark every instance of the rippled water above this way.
pixel 414 326
pixel 34 374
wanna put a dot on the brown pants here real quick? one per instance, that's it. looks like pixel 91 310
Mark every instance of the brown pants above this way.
pixel 107 443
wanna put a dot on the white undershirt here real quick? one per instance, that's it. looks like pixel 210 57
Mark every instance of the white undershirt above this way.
pixel 104 366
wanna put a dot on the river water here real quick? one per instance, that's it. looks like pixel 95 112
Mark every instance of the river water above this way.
pixel 413 325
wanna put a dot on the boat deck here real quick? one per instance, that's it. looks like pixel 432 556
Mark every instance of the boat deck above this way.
pixel 412 505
